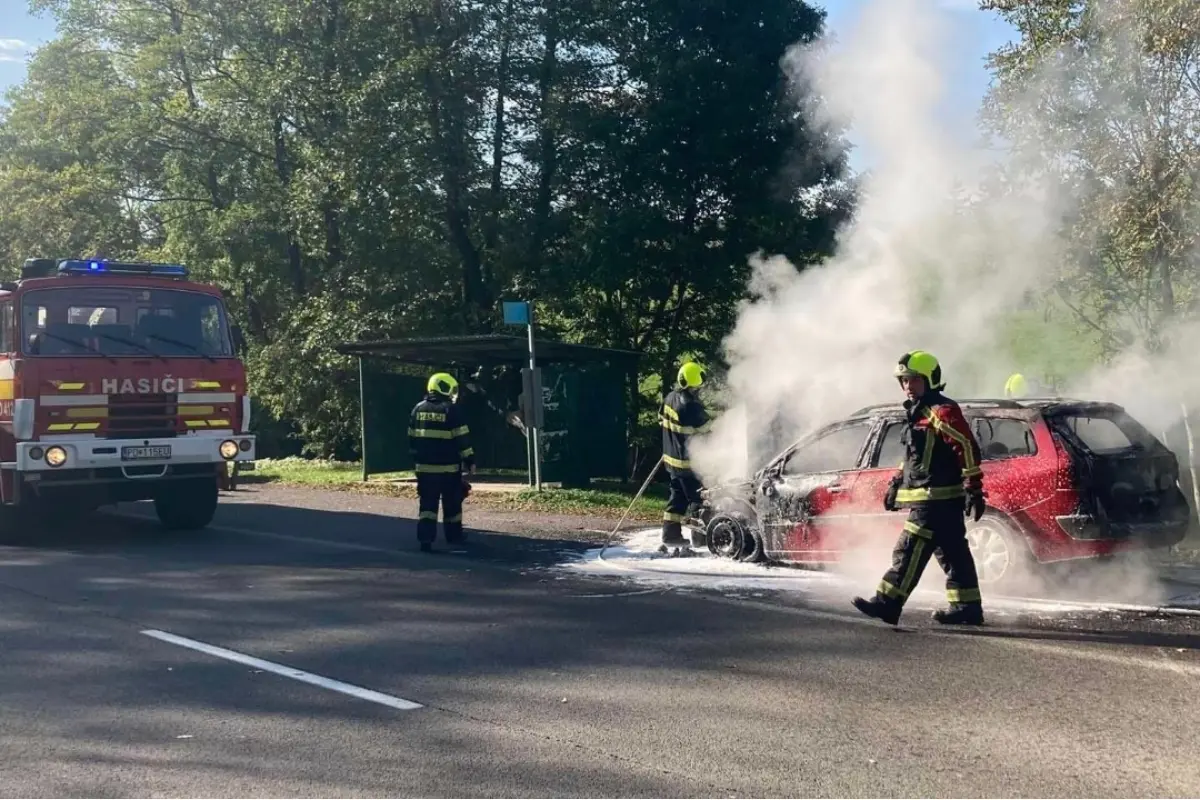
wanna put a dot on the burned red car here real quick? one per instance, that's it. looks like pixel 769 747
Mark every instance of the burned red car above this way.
pixel 1065 480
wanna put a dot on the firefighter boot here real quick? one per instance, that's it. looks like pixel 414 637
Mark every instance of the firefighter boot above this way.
pixel 960 614
pixel 879 608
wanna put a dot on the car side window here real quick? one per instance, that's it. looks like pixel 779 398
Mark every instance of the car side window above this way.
pixel 835 451
pixel 891 449
pixel 1004 438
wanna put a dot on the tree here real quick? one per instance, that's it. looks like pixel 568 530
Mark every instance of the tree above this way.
pixel 1105 96
pixel 388 168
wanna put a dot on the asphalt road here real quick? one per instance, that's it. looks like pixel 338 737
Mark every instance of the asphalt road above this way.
pixel 532 682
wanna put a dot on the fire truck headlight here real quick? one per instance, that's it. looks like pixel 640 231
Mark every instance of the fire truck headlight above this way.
pixel 229 449
pixel 36 453
pixel 56 456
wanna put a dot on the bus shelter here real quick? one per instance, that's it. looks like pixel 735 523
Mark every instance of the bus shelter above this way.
pixel 585 420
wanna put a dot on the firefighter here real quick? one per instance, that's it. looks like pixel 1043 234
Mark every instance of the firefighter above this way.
pixel 1016 386
pixel 438 438
pixel 682 415
pixel 939 482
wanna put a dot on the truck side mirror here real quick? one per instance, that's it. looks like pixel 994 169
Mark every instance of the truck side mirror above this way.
pixel 35 344
pixel 239 340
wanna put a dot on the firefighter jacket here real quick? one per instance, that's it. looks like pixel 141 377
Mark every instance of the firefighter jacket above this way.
pixel 682 415
pixel 438 436
pixel 941 452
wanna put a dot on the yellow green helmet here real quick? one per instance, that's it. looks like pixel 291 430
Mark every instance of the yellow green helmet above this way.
pixel 1016 386
pixel 923 364
pixel 691 375
pixel 442 383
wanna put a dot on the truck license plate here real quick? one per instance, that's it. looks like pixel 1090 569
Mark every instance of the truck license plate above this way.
pixel 145 453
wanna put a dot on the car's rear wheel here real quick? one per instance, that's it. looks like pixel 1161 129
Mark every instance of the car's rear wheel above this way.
pixel 999 550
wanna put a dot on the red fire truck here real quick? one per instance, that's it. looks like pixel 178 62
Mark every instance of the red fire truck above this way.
pixel 118 382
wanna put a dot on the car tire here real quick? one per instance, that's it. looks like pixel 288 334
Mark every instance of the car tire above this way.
pixel 999 549
pixel 752 547
pixel 727 535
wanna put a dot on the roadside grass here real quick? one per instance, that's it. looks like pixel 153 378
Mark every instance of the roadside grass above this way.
pixel 316 472
pixel 607 498
pixel 583 501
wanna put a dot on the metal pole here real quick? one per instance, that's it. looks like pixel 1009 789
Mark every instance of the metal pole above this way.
pixel 533 430
pixel 362 417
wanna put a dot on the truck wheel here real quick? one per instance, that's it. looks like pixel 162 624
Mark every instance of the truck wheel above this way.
pixel 11 518
pixel 186 505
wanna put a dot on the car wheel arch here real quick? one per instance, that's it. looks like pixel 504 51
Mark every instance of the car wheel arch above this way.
pixel 997 526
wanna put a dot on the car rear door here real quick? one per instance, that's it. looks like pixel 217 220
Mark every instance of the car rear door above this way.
pixel 1008 448
pixel 808 501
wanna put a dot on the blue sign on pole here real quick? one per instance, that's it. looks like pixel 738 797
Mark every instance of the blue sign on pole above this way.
pixel 516 313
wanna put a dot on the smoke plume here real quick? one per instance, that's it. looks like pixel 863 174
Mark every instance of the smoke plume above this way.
pixel 945 247
pixel 932 259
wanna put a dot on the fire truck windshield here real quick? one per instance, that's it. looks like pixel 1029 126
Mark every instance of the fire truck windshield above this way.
pixel 98 321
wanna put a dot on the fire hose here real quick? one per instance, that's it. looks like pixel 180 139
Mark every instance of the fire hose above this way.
pixel 615 530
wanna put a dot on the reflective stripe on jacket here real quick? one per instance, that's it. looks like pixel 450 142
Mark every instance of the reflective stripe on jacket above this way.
pixel 681 416
pixel 438 436
pixel 940 452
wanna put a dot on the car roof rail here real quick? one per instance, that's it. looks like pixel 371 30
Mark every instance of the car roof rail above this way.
pixel 977 402
pixel 984 402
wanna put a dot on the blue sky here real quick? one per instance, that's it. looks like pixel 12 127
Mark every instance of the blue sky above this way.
pixel 978 34
pixel 19 32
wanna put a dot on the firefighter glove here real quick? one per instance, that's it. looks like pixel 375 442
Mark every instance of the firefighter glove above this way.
pixel 975 502
pixel 889 499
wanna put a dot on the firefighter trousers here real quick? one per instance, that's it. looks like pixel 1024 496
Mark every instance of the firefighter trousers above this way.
pixel 936 528
pixel 685 491
pixel 446 489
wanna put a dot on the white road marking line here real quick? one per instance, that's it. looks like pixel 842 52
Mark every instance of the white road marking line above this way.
pixel 287 672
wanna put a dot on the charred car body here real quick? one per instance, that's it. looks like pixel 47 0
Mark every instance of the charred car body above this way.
pixel 1065 480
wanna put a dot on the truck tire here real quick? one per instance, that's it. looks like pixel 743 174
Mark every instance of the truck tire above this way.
pixel 186 505
pixel 11 526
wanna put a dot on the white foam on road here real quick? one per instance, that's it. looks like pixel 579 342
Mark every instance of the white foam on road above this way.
pixel 286 671
pixel 635 558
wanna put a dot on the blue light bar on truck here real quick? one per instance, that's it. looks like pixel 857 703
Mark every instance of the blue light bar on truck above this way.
pixel 96 266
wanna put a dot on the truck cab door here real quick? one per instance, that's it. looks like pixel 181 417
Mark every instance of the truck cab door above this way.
pixel 808 494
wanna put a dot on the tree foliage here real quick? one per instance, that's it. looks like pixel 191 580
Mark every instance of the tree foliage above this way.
pixel 1107 93
pixel 390 168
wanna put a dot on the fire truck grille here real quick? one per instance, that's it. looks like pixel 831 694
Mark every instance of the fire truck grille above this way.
pixel 141 416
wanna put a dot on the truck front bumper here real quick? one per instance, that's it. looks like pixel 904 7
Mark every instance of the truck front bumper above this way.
pixel 135 458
